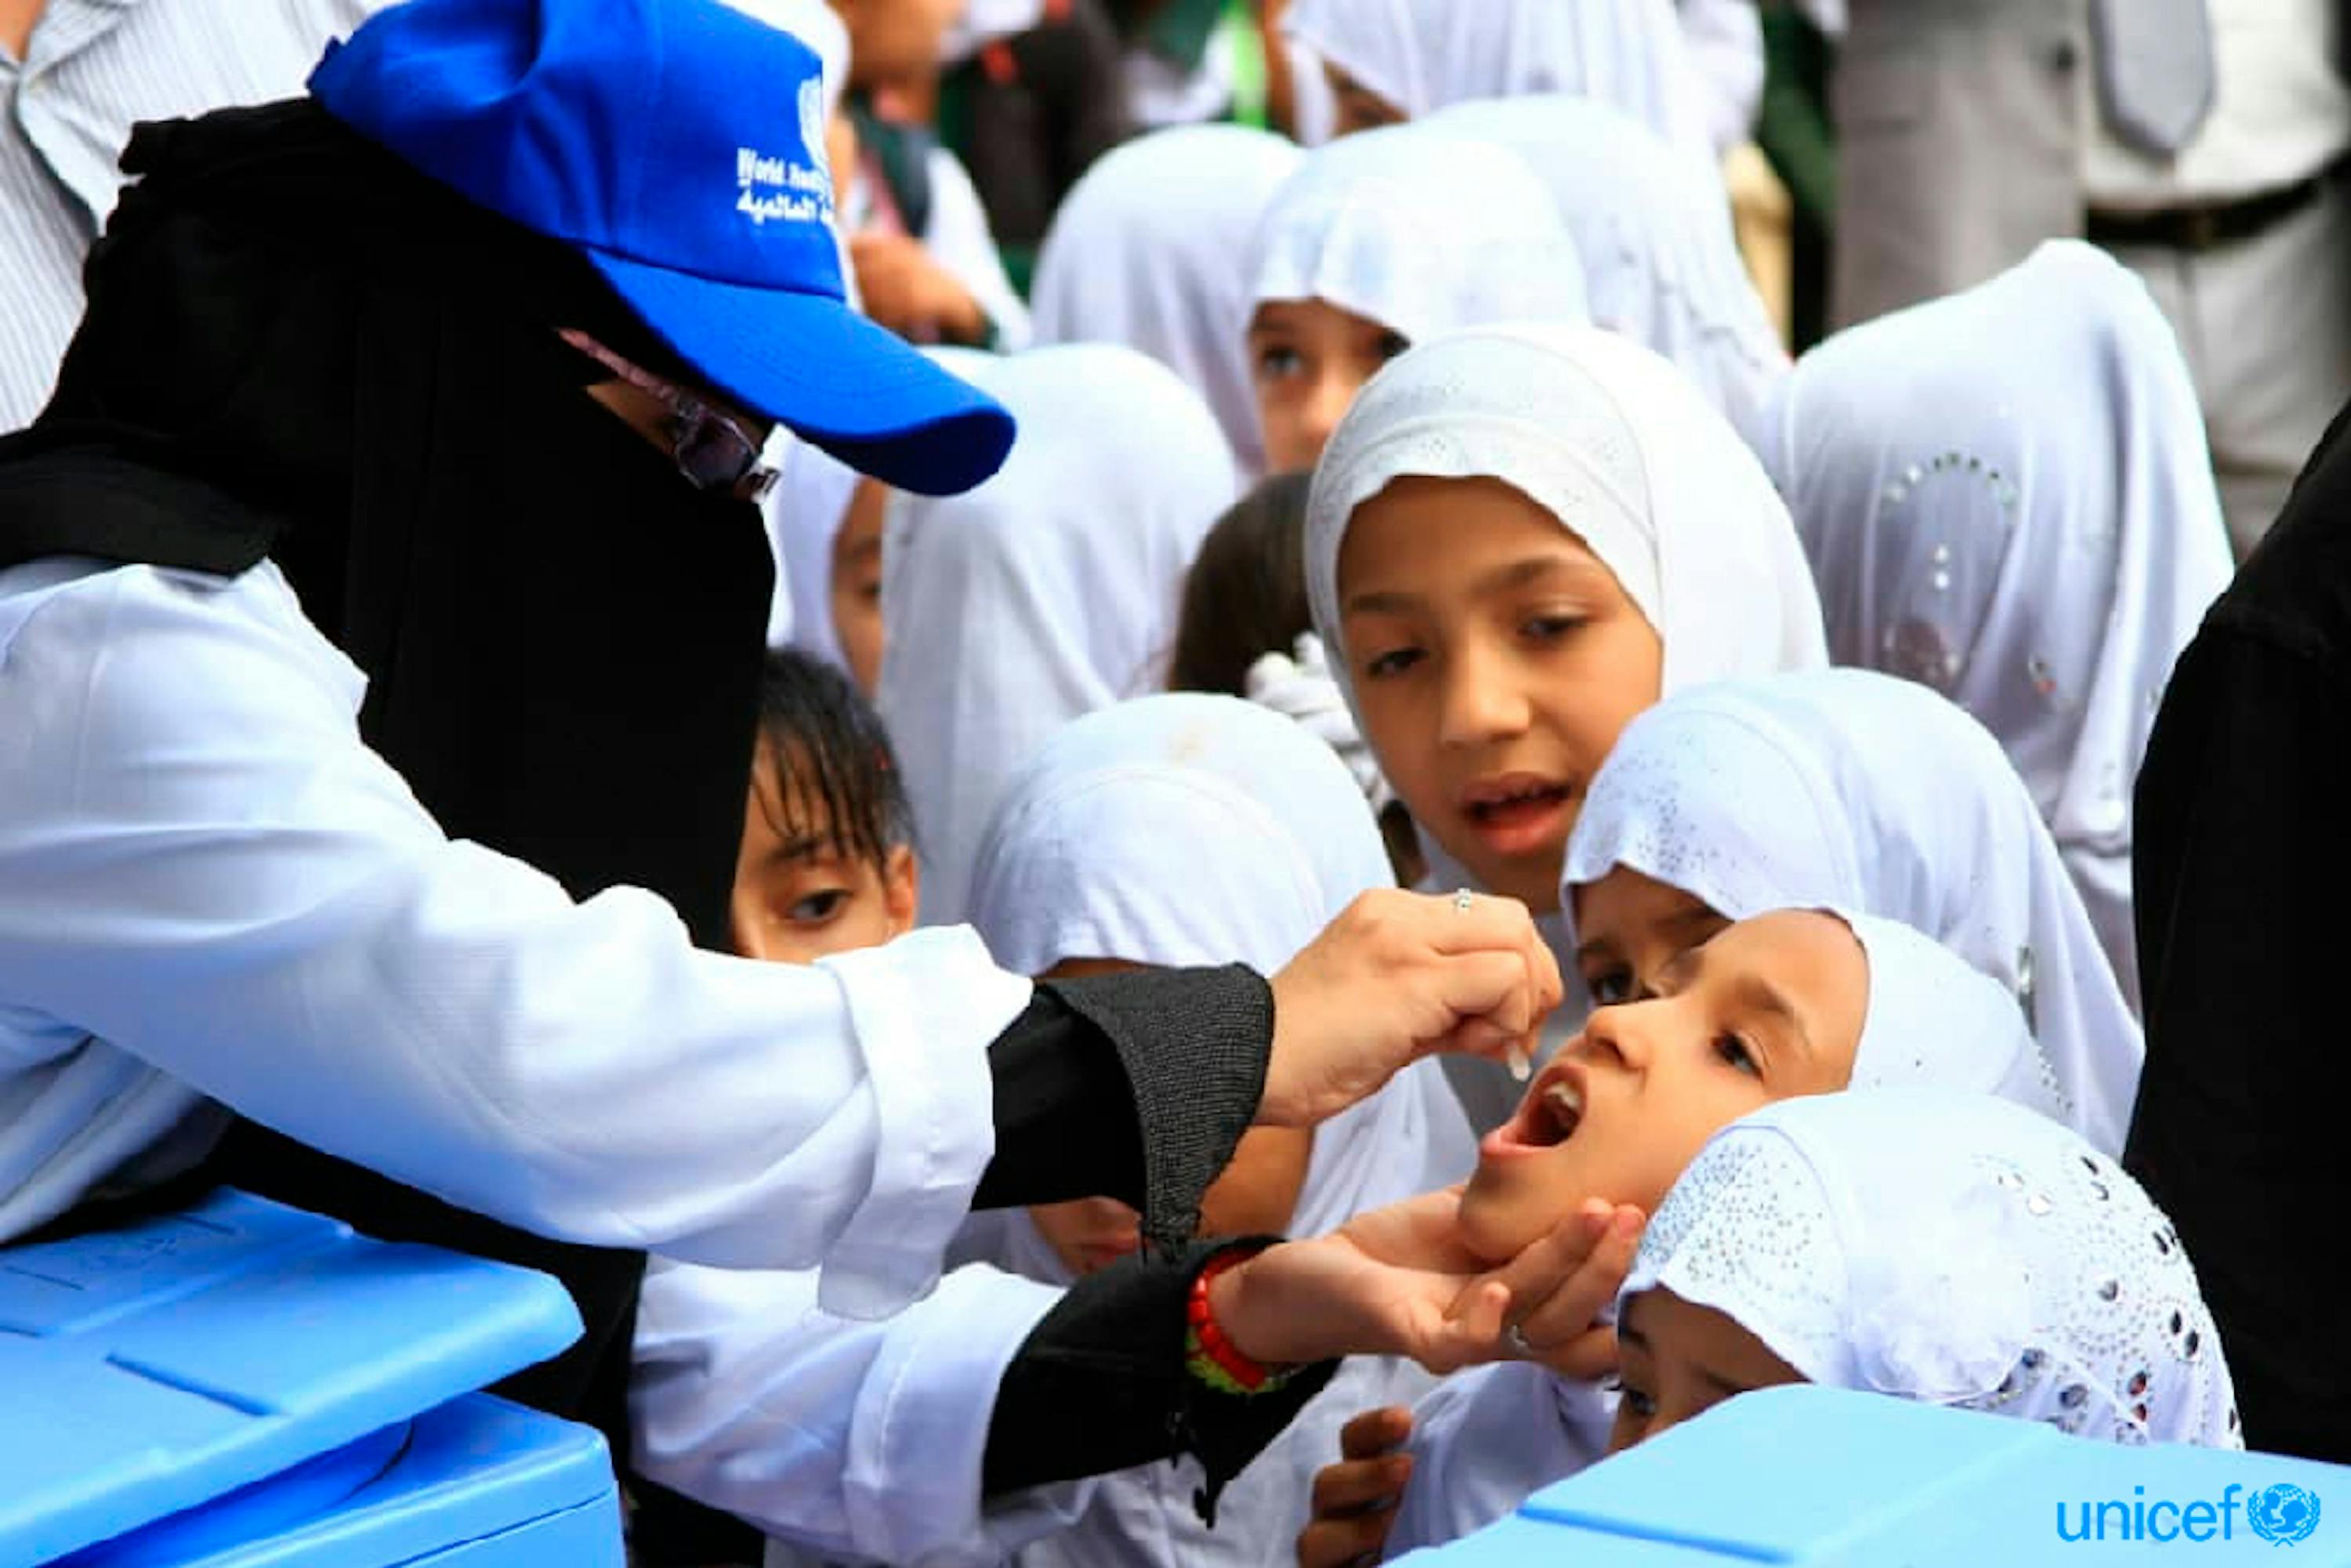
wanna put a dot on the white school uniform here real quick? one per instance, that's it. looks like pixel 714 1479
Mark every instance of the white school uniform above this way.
pixel 1048 592
pixel 1198 829
pixel 1485 1441
pixel 1150 249
pixel 2006 495
pixel 211 888
pixel 843 1441
pixel 1857 789
pixel 1661 264
pixel 1618 446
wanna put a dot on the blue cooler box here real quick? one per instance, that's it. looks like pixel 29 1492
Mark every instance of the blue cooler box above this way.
pixel 1827 1478
pixel 244 1383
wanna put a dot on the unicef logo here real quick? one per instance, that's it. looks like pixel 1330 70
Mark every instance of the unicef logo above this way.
pixel 2283 1514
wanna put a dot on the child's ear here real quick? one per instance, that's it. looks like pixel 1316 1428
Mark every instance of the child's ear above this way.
pixel 902 887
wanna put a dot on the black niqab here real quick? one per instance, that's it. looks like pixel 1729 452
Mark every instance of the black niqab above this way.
pixel 2242 854
pixel 297 347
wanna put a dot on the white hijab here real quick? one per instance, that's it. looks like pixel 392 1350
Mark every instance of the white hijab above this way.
pixel 1424 55
pixel 1607 437
pixel 1189 828
pixel 1420 230
pixel 1951 1249
pixel 1661 265
pixel 1931 1019
pixel 1149 249
pixel 1851 789
pixel 1198 829
pixel 1047 591
pixel 804 515
pixel 1613 442
pixel 2006 495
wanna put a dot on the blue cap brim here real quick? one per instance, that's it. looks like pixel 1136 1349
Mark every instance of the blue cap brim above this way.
pixel 832 377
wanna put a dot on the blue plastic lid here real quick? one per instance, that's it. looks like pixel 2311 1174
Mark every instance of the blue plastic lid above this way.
pixel 1833 1478
pixel 151 1369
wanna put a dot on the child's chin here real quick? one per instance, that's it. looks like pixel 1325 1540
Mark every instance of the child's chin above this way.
pixel 1494 1219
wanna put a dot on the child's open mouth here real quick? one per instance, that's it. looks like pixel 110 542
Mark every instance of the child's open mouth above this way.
pixel 1548 1117
pixel 1517 812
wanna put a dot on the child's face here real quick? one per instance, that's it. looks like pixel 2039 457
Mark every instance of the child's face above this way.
pixel 798 895
pixel 895 42
pixel 1308 360
pixel 1629 927
pixel 1495 660
pixel 1773 1007
pixel 1676 1359
pixel 857 583
pixel 1356 106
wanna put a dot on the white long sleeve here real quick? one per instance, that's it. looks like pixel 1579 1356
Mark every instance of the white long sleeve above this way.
pixel 844 1441
pixel 1487 1439
pixel 206 877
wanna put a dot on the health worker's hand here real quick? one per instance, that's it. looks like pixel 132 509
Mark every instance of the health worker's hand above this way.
pixel 1397 976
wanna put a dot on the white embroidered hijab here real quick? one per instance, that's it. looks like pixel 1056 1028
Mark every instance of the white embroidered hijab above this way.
pixel 1661 265
pixel 1613 442
pixel 1150 249
pixel 1931 1019
pixel 1420 230
pixel 1047 591
pixel 1198 829
pixel 1952 1250
pixel 2006 495
pixel 1853 788
pixel 1424 55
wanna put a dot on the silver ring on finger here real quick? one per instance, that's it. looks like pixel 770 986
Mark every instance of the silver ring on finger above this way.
pixel 1517 1336
pixel 1462 899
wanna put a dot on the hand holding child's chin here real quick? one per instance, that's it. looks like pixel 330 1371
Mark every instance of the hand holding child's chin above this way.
pixel 1400 1281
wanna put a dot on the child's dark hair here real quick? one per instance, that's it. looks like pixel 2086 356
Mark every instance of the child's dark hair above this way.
pixel 832 750
pixel 1245 594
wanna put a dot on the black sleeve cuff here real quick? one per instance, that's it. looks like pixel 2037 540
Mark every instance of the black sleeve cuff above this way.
pixel 1193 1044
pixel 1100 1384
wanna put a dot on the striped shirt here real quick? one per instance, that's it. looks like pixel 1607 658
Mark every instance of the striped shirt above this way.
pixel 93 69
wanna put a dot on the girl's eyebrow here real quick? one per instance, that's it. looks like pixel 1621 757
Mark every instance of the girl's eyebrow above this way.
pixel 1756 992
pixel 1500 580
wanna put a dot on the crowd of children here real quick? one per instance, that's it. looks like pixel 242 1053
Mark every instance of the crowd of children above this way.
pixel 1472 457
pixel 1413 489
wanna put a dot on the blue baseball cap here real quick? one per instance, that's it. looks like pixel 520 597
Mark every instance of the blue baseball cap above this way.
pixel 679 146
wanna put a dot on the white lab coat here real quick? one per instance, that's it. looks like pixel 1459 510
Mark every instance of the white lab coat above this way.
pixel 844 1441
pixel 211 888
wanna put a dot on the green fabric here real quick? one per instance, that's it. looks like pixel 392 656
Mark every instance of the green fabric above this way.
pixel 1249 105
pixel 1177 31
pixel 904 152
pixel 1793 127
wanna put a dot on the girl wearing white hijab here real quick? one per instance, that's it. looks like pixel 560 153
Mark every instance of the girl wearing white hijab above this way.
pixel 1618 1116
pixel 1519 538
pixel 1378 242
pixel 1147 250
pixel 1400 59
pixel 1941 1248
pixel 1047 592
pixel 2006 495
pixel 1853 788
pixel 1661 263
pixel 1198 829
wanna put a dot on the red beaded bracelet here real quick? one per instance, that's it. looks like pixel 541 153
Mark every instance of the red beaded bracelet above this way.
pixel 1211 1357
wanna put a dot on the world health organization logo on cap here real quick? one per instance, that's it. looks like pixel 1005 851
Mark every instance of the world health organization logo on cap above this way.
pixel 2283 1514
